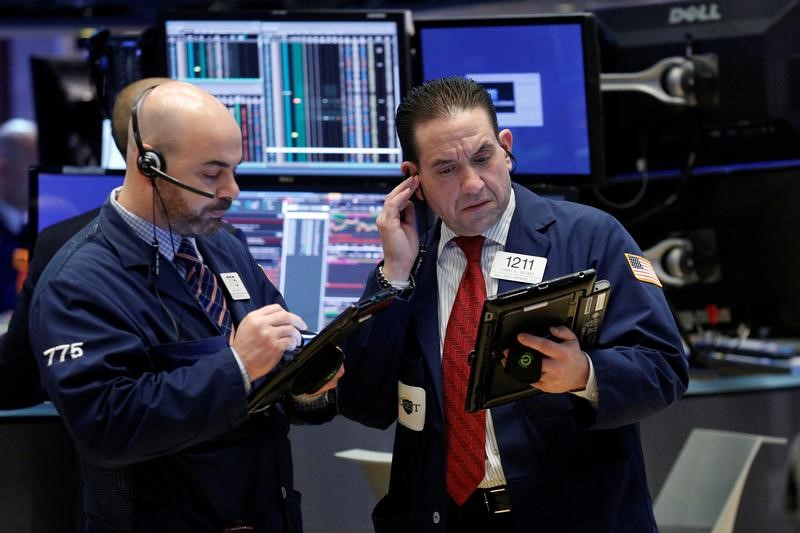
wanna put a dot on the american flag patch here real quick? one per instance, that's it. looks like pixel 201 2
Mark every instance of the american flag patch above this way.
pixel 642 269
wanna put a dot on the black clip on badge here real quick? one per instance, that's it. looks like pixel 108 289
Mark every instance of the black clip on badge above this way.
pixel 523 363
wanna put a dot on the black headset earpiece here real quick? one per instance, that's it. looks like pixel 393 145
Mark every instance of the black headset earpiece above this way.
pixel 149 162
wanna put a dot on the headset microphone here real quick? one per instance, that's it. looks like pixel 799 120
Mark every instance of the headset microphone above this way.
pixel 151 163
pixel 180 184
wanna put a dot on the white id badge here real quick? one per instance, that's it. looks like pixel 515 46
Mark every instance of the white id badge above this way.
pixel 411 406
pixel 518 267
pixel 234 284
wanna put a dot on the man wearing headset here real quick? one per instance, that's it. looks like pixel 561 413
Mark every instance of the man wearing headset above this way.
pixel 150 370
pixel 565 460
pixel 19 374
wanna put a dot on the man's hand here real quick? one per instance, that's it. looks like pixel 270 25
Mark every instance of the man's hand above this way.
pixel 564 365
pixel 264 335
pixel 398 228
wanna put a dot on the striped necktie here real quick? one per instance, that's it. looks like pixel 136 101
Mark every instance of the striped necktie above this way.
pixel 465 433
pixel 205 288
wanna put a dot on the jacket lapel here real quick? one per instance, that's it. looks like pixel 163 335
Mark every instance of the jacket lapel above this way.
pixel 427 318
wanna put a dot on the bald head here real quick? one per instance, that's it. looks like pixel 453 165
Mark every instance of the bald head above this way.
pixel 173 112
pixel 121 114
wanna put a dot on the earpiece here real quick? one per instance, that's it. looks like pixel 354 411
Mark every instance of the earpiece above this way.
pixel 149 162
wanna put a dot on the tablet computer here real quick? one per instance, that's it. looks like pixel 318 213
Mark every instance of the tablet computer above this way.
pixel 316 362
pixel 574 300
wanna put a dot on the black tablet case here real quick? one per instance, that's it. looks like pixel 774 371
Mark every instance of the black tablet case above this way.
pixel 322 348
pixel 574 300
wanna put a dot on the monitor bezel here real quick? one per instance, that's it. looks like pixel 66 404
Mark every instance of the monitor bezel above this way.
pixel 591 71
pixel 401 18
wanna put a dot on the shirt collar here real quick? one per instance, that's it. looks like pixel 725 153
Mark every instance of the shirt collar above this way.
pixel 168 242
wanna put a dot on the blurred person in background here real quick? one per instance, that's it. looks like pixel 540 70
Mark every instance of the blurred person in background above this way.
pixel 18 151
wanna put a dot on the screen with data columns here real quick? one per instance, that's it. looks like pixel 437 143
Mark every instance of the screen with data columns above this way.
pixel 311 97
pixel 317 247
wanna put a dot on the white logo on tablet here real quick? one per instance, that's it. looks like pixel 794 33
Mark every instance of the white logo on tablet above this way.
pixel 411 406
pixel 518 267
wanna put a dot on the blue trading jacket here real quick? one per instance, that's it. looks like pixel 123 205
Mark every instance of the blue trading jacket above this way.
pixel 150 391
pixel 569 468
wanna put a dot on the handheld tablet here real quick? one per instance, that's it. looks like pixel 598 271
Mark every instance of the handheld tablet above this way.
pixel 316 362
pixel 574 300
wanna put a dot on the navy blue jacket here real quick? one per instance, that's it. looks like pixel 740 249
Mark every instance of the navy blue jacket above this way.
pixel 152 394
pixel 570 468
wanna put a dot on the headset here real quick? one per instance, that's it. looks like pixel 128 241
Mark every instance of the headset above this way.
pixel 151 163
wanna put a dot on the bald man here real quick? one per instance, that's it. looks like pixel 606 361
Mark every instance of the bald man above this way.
pixel 150 370
pixel 19 375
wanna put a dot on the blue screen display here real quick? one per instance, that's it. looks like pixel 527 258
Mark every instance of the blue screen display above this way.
pixel 535 74
pixel 61 196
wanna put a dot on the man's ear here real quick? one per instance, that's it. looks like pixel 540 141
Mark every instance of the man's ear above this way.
pixel 506 139
pixel 408 169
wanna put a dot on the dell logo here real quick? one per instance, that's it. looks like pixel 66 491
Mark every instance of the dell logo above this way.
pixel 694 13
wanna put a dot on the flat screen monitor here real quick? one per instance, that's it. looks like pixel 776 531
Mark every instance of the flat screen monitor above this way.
pixel 543 75
pixel 317 246
pixel 314 92
pixel 58 193
pixel 748 113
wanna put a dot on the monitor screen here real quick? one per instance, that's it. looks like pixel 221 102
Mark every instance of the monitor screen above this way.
pixel 110 156
pixel 313 92
pixel 59 193
pixel 317 247
pixel 543 75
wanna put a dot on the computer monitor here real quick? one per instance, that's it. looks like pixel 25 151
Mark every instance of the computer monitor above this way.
pixel 543 75
pixel 751 119
pixel 58 193
pixel 314 92
pixel 316 246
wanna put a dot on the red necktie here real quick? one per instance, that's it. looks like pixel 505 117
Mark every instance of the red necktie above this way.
pixel 205 288
pixel 465 433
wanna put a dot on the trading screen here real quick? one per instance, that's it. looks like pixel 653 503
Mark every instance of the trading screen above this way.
pixel 317 247
pixel 311 97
